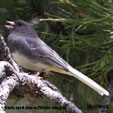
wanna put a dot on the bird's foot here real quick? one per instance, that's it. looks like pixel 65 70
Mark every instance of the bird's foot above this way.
pixel 37 74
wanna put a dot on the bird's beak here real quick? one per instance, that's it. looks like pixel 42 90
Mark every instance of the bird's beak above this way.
pixel 11 26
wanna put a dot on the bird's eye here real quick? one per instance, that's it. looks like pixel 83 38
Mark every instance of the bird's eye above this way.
pixel 20 23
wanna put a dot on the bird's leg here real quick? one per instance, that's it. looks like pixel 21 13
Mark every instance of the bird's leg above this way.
pixel 40 73
pixel 37 73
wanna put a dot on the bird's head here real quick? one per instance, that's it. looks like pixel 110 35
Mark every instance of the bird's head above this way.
pixel 21 27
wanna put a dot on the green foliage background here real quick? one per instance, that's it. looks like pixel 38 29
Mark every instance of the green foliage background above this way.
pixel 81 32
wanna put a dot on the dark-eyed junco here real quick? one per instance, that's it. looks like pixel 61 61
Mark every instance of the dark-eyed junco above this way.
pixel 32 53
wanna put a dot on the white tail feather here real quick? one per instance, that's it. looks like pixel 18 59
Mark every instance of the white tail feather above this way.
pixel 88 81
pixel 75 73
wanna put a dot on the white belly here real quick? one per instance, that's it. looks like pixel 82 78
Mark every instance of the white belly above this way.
pixel 29 64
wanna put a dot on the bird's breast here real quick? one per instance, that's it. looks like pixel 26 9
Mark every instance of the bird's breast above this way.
pixel 29 63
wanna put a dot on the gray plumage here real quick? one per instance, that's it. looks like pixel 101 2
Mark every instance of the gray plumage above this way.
pixel 33 47
pixel 32 53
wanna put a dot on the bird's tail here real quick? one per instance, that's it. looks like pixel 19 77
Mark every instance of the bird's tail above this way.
pixel 73 72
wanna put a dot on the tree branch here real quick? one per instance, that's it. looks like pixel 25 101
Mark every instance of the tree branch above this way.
pixel 33 82
pixel 107 98
pixel 5 54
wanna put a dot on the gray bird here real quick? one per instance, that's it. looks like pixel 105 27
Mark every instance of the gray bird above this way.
pixel 29 51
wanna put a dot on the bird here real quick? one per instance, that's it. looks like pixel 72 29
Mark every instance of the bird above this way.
pixel 32 53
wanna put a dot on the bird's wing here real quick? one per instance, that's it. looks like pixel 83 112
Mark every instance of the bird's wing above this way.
pixel 39 50
pixel 42 51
